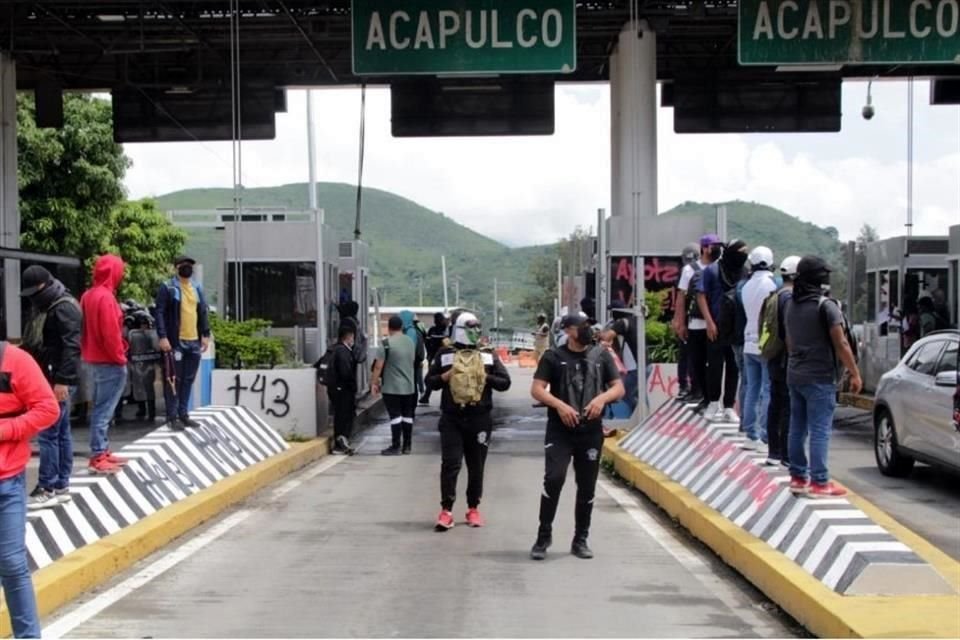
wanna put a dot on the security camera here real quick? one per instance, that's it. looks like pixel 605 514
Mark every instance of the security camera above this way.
pixel 868 110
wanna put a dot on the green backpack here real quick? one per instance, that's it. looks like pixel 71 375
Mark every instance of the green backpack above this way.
pixel 770 343
pixel 469 377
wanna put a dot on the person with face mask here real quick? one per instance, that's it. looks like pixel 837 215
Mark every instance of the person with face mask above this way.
pixel 466 376
pixel 688 323
pixel 342 391
pixel 582 380
pixel 435 339
pixel 717 301
pixel 183 327
pixel 52 336
pixel 816 341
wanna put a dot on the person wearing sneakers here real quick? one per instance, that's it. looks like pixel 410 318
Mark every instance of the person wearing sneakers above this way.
pixel 184 329
pixel 393 375
pixel 467 376
pixel 717 302
pixel 102 347
pixel 756 379
pixel 27 407
pixel 52 336
pixel 778 413
pixel 815 342
pixel 582 379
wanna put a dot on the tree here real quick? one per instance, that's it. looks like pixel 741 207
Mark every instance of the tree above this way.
pixel 148 243
pixel 69 178
pixel 867 235
pixel 72 198
pixel 542 293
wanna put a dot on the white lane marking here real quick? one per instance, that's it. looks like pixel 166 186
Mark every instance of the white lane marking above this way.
pixel 692 562
pixel 63 625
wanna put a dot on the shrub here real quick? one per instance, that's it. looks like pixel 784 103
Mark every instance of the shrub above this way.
pixel 244 345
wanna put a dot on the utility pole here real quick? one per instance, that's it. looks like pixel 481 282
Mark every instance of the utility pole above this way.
pixel 446 299
pixel 496 306
pixel 420 288
pixel 456 288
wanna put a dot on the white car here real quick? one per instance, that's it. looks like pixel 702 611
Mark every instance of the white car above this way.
pixel 916 409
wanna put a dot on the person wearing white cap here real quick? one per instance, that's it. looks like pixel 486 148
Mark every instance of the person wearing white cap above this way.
pixel 756 378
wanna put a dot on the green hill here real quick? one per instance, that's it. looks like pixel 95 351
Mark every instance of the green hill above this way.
pixel 407 241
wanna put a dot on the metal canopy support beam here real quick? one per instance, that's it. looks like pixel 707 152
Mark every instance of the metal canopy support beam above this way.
pixel 9 211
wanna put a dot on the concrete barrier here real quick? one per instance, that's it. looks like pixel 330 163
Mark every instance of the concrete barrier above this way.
pixel 841 567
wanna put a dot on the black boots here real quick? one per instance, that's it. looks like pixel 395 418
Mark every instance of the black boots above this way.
pixel 580 548
pixel 539 550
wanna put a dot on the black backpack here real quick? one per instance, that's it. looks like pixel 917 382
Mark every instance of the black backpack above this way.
pixel 693 309
pixel 326 371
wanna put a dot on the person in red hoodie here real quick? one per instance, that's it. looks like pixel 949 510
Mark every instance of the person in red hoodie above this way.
pixel 27 407
pixel 102 347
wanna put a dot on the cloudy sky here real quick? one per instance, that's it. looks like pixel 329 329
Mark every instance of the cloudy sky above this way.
pixel 528 190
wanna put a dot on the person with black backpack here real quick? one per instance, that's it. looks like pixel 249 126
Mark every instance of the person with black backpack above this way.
pixel 52 337
pixel 717 301
pixel 338 373
pixel 688 322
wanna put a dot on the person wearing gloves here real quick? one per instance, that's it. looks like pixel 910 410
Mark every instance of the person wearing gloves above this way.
pixel 27 407
pixel 467 376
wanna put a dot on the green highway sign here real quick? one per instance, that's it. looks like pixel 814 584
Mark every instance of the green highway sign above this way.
pixel 831 32
pixel 463 37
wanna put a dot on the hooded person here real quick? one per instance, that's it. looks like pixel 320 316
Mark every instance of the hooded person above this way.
pixel 718 305
pixel 434 342
pixel 412 331
pixel 817 344
pixel 104 349
pixel 467 376
pixel 52 336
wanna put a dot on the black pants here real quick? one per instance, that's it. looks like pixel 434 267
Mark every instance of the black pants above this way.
pixel 463 439
pixel 722 371
pixel 683 365
pixel 778 420
pixel 343 404
pixel 400 409
pixel 697 361
pixel 584 445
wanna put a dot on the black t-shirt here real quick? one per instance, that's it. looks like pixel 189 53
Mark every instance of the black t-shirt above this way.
pixel 551 370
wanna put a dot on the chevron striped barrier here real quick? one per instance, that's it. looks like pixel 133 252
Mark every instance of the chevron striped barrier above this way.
pixel 165 466
pixel 830 539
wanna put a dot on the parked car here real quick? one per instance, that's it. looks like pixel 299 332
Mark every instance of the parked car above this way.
pixel 917 408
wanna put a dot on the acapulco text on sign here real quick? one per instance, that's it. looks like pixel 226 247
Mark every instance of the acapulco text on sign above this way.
pixel 787 32
pixel 460 37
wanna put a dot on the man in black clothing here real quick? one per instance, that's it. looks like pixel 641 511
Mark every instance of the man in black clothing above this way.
pixel 435 337
pixel 582 380
pixel 343 391
pixel 52 337
pixel 467 377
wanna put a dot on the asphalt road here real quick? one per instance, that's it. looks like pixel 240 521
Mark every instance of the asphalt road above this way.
pixel 928 501
pixel 347 548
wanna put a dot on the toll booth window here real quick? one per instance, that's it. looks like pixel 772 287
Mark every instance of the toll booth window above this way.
pixel 871 297
pixel 285 293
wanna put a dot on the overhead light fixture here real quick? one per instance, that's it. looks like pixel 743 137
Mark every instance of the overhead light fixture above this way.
pixel 179 91
pixel 801 68
pixel 110 17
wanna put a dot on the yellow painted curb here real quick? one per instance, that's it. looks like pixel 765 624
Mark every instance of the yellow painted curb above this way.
pixel 821 610
pixel 89 566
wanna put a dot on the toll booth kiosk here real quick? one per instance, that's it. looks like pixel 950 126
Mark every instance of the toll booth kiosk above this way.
pixel 353 284
pixel 899 270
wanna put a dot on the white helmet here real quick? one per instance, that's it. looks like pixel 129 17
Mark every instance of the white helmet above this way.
pixel 788 268
pixel 467 329
pixel 761 257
